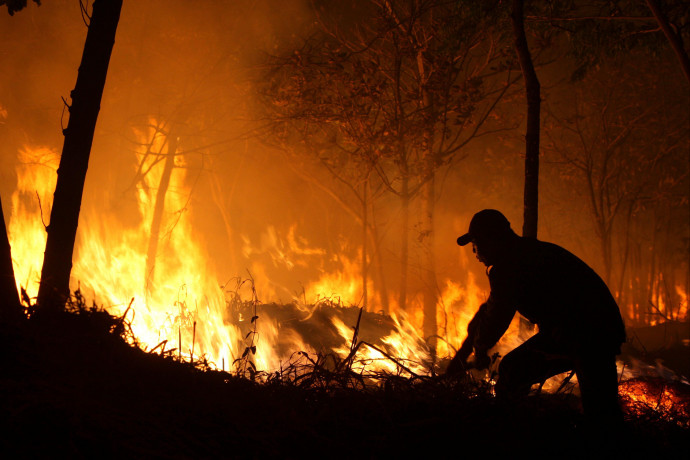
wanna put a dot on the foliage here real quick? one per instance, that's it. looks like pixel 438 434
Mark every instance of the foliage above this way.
pixel 599 31
pixel 364 96
pixel 16 5
pixel 621 143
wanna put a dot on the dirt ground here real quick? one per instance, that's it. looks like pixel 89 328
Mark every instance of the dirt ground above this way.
pixel 71 388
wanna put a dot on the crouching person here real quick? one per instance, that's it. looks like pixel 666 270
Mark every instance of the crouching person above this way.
pixel 580 325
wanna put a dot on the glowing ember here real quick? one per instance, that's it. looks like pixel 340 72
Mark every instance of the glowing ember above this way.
pixel 668 400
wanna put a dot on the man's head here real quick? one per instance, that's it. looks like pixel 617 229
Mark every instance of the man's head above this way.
pixel 490 234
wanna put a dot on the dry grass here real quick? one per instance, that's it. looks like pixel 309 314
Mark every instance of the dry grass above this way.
pixel 73 386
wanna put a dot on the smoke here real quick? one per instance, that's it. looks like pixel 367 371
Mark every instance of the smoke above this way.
pixel 192 66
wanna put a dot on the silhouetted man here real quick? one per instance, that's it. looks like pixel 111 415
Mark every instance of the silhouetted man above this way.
pixel 580 326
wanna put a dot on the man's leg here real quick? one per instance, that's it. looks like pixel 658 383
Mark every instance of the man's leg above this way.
pixel 534 361
pixel 597 376
pixel 598 380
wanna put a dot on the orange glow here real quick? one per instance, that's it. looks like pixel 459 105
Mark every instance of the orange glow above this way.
pixel 36 177
pixel 670 400
pixel 683 307
pixel 183 302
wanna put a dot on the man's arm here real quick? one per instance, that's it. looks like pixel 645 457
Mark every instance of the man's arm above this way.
pixel 459 361
pixel 486 328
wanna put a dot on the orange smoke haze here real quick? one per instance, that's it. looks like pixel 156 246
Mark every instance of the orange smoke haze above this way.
pixel 179 91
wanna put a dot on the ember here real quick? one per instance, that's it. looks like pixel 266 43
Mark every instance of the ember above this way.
pixel 656 398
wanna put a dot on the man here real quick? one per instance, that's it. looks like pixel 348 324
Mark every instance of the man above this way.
pixel 580 326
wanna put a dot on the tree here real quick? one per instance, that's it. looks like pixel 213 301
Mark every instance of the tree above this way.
pixel 86 98
pixel 623 144
pixel 533 96
pixel 405 90
pixel 16 5
pixel 601 30
pixel 671 32
pixel 532 90
pixel 10 308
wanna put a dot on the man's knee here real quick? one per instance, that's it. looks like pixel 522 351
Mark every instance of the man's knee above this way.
pixel 512 379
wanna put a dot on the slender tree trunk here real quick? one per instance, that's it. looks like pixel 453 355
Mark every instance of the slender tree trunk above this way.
pixel 606 249
pixel 673 38
pixel 158 210
pixel 430 323
pixel 86 102
pixel 622 297
pixel 365 223
pixel 651 277
pixel 382 285
pixel 10 308
pixel 532 90
pixel 404 240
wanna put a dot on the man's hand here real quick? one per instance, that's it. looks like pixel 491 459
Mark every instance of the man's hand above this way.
pixel 458 364
pixel 481 360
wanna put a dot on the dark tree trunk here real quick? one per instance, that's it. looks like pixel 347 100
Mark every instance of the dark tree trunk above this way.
pixel 430 322
pixel 673 38
pixel 375 244
pixel 404 239
pixel 86 102
pixel 10 308
pixel 532 90
pixel 365 223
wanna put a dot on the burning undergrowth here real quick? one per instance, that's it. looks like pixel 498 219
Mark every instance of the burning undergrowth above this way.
pixel 80 384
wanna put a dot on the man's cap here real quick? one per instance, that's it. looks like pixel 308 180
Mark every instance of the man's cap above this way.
pixel 488 222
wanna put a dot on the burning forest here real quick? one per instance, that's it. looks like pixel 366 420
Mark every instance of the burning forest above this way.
pixel 235 234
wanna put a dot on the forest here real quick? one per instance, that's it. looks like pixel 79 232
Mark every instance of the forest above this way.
pixel 263 198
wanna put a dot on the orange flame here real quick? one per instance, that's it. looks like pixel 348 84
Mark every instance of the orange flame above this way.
pixel 32 199
pixel 183 305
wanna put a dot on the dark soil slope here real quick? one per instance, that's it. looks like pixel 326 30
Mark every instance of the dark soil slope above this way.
pixel 71 387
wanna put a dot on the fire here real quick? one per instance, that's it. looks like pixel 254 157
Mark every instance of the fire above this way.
pixel 182 305
pixel 668 400
pixel 405 351
pixel 175 301
pixel 31 202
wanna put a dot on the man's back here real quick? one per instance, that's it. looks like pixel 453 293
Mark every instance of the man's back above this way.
pixel 556 290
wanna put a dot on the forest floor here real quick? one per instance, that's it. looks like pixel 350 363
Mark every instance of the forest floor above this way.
pixel 72 387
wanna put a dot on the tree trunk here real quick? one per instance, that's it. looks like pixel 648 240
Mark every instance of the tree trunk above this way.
pixel 86 102
pixel 430 322
pixel 673 38
pixel 381 285
pixel 532 90
pixel 621 295
pixel 404 240
pixel 159 208
pixel 10 308
pixel 365 223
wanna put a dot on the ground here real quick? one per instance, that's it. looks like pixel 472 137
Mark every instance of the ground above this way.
pixel 71 387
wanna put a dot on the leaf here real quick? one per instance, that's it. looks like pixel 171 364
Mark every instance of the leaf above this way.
pixel 253 349
pixel 254 318
pixel 246 351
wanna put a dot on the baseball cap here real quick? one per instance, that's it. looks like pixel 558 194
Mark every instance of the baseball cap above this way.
pixel 487 222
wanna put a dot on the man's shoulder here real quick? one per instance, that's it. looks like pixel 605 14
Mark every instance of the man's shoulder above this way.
pixel 539 247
